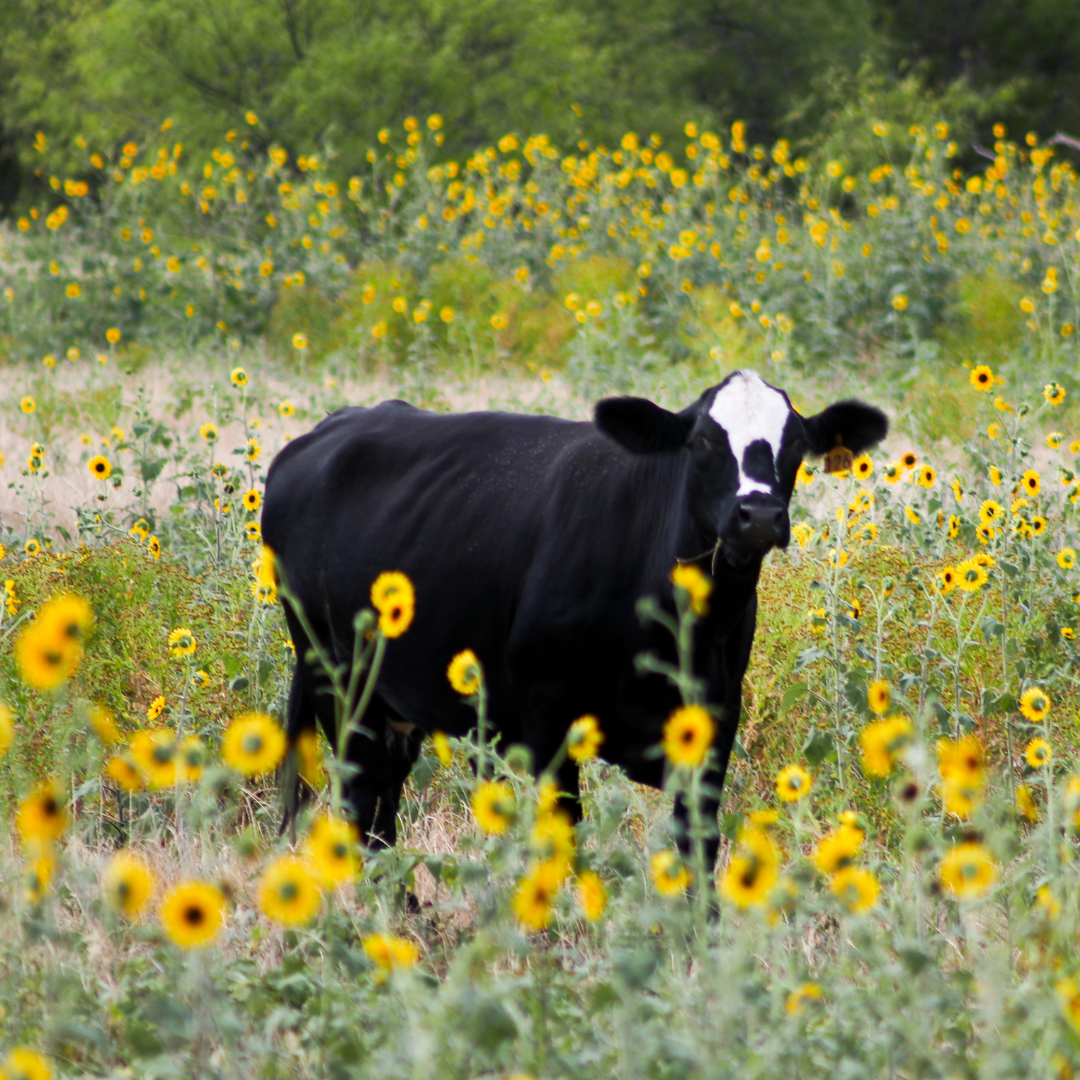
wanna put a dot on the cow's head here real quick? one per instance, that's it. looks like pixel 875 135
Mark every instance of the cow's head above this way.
pixel 745 443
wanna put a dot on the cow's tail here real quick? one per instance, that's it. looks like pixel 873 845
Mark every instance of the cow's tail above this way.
pixel 294 790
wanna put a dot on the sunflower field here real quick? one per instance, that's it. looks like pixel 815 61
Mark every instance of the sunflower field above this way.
pixel 897 890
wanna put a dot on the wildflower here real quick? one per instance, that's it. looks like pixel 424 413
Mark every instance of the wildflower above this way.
pixel 265 570
pixel 28 405
pixel 927 476
pixel 862 467
pixel 911 515
pixel 584 738
pixel 286 409
pixel 24 1064
pixel 393 597
pixel 254 450
pixel 37 876
pixel 209 432
pixel 838 848
pixel 591 895
pixel 892 472
pixel 669 873
pixel 752 873
pixel 253 530
pixel 299 341
pixel 7 729
pixel 1066 558
pixel 696 584
pixel 688 734
pixel 553 840
pixel 40 816
pixel 253 744
pixel 155 708
pixel 1054 393
pixel 193 913
pixel 960 797
pixel 390 953
pixel 1030 482
pixel 309 758
pixel 154 752
pixel 238 377
pixel 104 724
pixel 962 761
pixel 883 744
pixel 793 783
pixel 140 530
pixel 333 848
pixel 100 468
pixel 535 895
pixel 900 302
pixel 1038 753
pixel 970 576
pixel 1034 704
pixel 182 642
pixel 441 745
pixel 288 892
pixel 982 377
pixel 252 500
pixel 124 774
pixel 804 475
pixel 991 512
pixel 1025 803
pixel 985 533
pixel 1055 439
pixel 908 461
pixel 127 884
pixel 968 870
pixel 856 887
pixel 493 807
pixel 465 673
pixel 50 649
pixel 946 579
pixel 877 696
pixel 995 475
pixel 807 993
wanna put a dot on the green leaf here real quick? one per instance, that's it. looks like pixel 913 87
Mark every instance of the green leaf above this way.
pixel 792 695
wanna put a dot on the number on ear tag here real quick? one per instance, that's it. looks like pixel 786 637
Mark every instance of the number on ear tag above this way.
pixel 838 459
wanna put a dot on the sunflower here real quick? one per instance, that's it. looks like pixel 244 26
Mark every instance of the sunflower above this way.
pixel 465 673
pixel 390 952
pixel 288 892
pixel 669 873
pixel 154 752
pixel 838 848
pixel 877 696
pixel 127 883
pixel 856 887
pixel 32 547
pixel 1034 704
pixel 892 472
pixel 688 734
pixel 493 806
pixel 968 870
pixel 695 583
pixel 957 490
pixel 441 745
pixel 1066 558
pixel 238 377
pixel 1038 753
pixel 793 783
pixel 193 913
pixel 299 341
pixel 28 405
pixel 1054 393
pixel 7 728
pixel 985 533
pixel 862 467
pixel 252 500
pixel 753 871
pixel 553 840
pixel 209 432
pixel 927 476
pixel 584 738
pixel 1025 803
pixel 50 649
pixel 253 530
pixel 946 580
pixel 908 460
pixel 911 515
pixel 808 993
pixel 38 876
pixel 591 895
pixel 155 708
pixel 182 642
pixel 100 468
pixel 22 1063
pixel 333 848
pixel 991 512
pixel 804 474
pixel 1055 439
pixel 153 544
pixel 124 774
pixel 883 743
pixel 253 744
pixel 286 409
pixel 535 896
pixel 254 450
pixel 962 761
pixel 40 816
pixel 190 758
pixel 961 797
pixel 1030 482
pixel 982 378
pixel 393 597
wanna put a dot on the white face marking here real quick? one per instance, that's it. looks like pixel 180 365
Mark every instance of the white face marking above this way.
pixel 748 409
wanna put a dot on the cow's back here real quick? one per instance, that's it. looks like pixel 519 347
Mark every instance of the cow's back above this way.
pixel 456 502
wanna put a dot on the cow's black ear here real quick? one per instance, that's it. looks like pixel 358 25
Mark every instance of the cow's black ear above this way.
pixel 640 426
pixel 849 423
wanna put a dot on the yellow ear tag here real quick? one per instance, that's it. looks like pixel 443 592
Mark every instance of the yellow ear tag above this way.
pixel 838 459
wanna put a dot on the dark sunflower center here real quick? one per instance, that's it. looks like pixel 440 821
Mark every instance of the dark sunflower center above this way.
pixel 194 915
pixel 49 808
pixel 687 736
pixel 339 851
pixel 252 743
pixel 289 891
pixel 123 890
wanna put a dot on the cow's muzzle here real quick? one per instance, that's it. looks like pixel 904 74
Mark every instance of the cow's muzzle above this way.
pixel 757 522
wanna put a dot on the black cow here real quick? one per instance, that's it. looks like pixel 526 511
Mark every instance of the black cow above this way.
pixel 529 539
